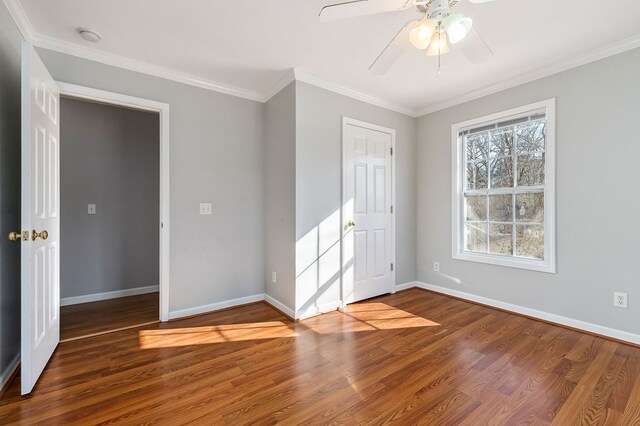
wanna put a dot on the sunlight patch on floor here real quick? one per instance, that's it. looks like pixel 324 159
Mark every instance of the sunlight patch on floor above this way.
pixel 367 317
pixel 354 318
pixel 204 335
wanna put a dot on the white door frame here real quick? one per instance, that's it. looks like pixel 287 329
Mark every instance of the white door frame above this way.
pixel 110 98
pixel 351 121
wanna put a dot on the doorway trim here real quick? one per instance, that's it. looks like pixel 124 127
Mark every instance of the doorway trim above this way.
pixel 352 121
pixel 117 99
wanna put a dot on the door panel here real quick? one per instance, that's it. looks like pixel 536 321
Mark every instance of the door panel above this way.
pixel 379 190
pixel 360 188
pixel 360 253
pixel 380 252
pixel 40 259
pixel 367 227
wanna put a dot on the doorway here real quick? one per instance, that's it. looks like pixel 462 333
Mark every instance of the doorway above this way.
pixel 368 192
pixel 109 226
pixel 40 217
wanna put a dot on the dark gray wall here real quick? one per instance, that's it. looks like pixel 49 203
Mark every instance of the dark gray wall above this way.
pixel 597 151
pixel 217 156
pixel 10 148
pixel 109 156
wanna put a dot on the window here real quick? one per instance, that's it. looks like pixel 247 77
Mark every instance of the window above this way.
pixel 504 191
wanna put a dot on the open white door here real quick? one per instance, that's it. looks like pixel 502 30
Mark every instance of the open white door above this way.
pixel 368 238
pixel 40 259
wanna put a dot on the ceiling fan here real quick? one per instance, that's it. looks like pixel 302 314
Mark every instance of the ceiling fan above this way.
pixel 430 32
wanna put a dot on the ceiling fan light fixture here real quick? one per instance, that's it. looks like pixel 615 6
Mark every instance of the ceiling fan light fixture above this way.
pixel 457 27
pixel 421 35
pixel 438 44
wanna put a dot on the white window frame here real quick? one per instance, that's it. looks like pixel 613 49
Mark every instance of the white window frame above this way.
pixel 548 264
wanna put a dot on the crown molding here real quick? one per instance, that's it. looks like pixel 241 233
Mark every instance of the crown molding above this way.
pixel 283 82
pixel 142 67
pixel 22 21
pixel 20 18
pixel 558 67
pixel 346 91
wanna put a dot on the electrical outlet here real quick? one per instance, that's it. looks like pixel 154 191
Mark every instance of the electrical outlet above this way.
pixel 206 208
pixel 621 300
pixel 274 277
pixel 91 209
pixel 436 266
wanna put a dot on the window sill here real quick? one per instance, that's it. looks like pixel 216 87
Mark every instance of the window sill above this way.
pixel 510 262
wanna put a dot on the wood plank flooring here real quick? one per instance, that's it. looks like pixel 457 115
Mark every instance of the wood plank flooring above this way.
pixel 92 318
pixel 410 358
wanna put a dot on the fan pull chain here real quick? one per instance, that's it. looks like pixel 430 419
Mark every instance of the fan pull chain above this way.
pixel 439 53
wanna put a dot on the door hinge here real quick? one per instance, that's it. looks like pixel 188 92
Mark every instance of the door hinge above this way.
pixel 392 267
pixel 391 150
pixel 391 209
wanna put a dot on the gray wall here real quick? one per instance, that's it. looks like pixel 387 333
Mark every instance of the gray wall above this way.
pixel 598 147
pixel 10 149
pixel 217 156
pixel 109 156
pixel 319 115
pixel 280 194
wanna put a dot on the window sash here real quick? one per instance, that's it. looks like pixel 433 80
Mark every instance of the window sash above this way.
pixel 499 123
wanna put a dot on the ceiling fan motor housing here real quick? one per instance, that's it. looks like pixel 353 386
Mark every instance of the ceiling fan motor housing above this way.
pixel 438 9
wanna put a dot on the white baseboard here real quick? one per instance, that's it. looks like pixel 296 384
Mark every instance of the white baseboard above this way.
pixel 317 310
pixel 405 286
pixel 66 301
pixel 203 309
pixel 279 305
pixel 546 316
pixel 8 372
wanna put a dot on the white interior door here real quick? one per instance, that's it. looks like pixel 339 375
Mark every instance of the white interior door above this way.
pixel 40 260
pixel 367 211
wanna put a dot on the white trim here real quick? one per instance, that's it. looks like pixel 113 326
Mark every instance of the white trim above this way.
pixel 19 16
pixel 279 305
pixel 457 184
pixel 21 19
pixel 406 286
pixel 86 298
pixel 286 79
pixel 312 311
pixel 351 121
pixel 546 316
pixel 555 68
pixel 351 93
pixel 143 67
pixel 8 372
pixel 88 93
pixel 24 24
pixel 203 309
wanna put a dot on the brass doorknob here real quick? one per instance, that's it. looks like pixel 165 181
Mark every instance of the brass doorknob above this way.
pixel 351 223
pixel 44 235
pixel 15 236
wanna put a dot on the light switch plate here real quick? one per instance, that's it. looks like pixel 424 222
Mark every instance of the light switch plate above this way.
pixel 206 208
pixel 91 208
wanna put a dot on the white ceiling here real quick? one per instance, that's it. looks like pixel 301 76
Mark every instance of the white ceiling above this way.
pixel 251 44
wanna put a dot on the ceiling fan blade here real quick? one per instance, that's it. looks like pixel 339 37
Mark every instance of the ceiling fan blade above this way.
pixel 475 48
pixel 354 8
pixel 396 47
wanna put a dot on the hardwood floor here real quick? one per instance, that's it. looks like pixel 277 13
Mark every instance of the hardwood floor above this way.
pixel 410 358
pixel 87 319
